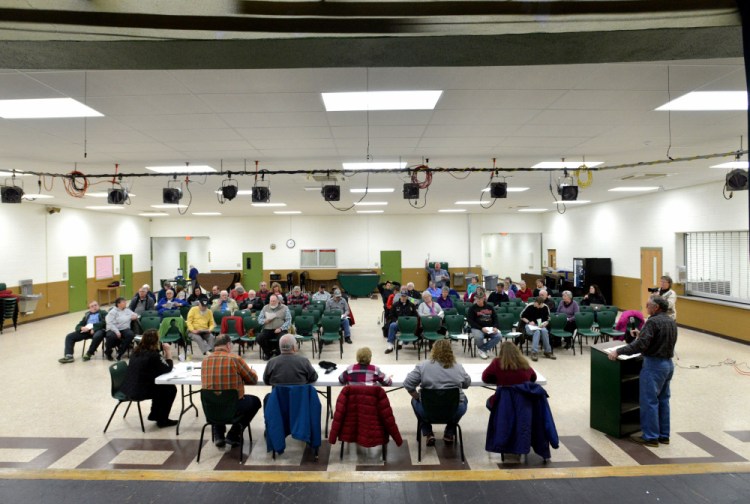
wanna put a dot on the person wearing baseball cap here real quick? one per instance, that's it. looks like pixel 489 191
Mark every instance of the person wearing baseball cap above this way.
pixel 200 322
pixel 337 302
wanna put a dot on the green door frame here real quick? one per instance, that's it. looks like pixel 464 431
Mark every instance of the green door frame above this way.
pixel 77 284
pixel 390 265
pixel 184 264
pixel 252 269
pixel 126 275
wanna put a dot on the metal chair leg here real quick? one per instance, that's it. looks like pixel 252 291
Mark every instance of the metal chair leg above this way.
pixel 112 416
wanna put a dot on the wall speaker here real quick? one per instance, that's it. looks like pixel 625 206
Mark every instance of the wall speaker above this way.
pixel 261 194
pixel 331 193
pixel 411 191
pixel 117 196
pixel 171 195
pixel 499 189
pixel 737 180
pixel 11 194
pixel 568 192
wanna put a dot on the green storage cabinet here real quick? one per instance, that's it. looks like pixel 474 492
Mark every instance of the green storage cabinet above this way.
pixel 359 283
pixel 614 408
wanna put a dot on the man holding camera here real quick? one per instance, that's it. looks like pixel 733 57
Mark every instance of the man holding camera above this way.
pixel 665 291
pixel 656 343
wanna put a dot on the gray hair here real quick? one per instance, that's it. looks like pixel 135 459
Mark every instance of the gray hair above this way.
pixel 446 288
pixel 222 339
pixel 287 343
pixel 426 295
pixel 568 294
pixel 662 303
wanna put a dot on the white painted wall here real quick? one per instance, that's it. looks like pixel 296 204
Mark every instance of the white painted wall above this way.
pixel 620 228
pixel 510 254
pixel 37 244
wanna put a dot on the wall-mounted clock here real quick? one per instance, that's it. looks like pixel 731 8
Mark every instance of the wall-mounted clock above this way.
pixel 290 243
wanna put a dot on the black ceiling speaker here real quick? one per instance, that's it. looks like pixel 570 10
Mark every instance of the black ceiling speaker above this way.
pixel 11 194
pixel 261 194
pixel 568 192
pixel 411 191
pixel 171 195
pixel 499 189
pixel 117 196
pixel 331 193
pixel 737 180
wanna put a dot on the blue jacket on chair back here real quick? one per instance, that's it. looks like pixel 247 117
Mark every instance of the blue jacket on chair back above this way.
pixel 295 410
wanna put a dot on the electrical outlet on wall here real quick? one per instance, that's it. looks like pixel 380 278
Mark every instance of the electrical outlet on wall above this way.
pixel 65 275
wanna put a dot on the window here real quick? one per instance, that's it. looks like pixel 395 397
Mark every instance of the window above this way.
pixel 323 258
pixel 717 265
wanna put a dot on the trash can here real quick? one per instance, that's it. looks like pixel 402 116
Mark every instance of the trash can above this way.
pixel 27 301
pixel 459 282
pixel 490 282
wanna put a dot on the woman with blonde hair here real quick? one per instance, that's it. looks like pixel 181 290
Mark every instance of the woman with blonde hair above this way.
pixel 440 372
pixel 510 367
pixel 363 372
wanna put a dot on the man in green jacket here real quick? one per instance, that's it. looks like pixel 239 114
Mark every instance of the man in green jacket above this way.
pixel 91 327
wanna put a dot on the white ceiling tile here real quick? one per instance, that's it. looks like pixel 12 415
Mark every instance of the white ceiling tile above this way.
pixel 289 133
pixel 264 102
pixel 145 105
pixel 194 135
pixel 462 131
pixel 275 120
pixel 498 99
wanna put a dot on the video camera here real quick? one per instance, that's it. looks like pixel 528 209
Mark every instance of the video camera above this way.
pixel 653 290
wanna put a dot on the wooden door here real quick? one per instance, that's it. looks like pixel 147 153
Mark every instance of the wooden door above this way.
pixel 552 258
pixel 651 263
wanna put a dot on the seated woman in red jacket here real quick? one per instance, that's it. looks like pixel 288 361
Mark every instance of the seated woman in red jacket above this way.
pixel 524 292
pixel 510 367
pixel 364 373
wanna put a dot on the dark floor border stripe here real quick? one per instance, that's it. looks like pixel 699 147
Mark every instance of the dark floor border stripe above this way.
pixel 535 473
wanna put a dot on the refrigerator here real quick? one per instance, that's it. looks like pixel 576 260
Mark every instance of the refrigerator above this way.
pixel 587 271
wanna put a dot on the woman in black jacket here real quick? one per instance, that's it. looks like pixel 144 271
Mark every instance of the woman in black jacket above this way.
pixel 594 296
pixel 145 365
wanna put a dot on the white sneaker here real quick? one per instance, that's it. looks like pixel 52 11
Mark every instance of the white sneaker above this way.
pixel 389 348
pixel 483 355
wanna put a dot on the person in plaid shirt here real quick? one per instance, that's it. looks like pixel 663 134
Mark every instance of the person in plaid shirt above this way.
pixel 297 297
pixel 224 370
pixel 364 373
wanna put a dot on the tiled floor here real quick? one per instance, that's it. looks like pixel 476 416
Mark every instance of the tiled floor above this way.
pixel 53 415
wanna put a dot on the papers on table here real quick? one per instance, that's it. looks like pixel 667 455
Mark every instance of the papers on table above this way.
pixel 622 357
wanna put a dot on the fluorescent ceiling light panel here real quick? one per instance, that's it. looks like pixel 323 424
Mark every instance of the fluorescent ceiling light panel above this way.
pixel 32 197
pixel 241 192
pixel 103 194
pixel 575 202
pixel 633 189
pixel 45 108
pixel 708 100
pixel 373 190
pixel 4 173
pixel 268 204
pixel 733 164
pixel 182 169
pixel 452 210
pixel 509 189
pixel 370 211
pixel 206 214
pixel 383 165
pixel 474 202
pixel 381 100
pixel 370 203
pixel 287 212
pixel 168 206
pixel 106 207
pixel 571 165
pixel 153 214
pixel 532 210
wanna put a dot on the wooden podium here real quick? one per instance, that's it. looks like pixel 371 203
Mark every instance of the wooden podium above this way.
pixel 614 408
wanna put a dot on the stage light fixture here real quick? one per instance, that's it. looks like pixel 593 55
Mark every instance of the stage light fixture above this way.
pixel 411 191
pixel 261 194
pixel 171 195
pixel 117 196
pixel 331 193
pixel 737 180
pixel 499 189
pixel 566 187
pixel 227 190
pixel 11 194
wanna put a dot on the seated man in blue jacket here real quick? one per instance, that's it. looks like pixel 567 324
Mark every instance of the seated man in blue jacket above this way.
pixel 170 302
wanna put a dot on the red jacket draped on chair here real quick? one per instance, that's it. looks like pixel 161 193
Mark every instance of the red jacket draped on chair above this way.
pixel 364 416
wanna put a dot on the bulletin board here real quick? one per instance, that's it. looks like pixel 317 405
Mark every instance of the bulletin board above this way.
pixel 104 267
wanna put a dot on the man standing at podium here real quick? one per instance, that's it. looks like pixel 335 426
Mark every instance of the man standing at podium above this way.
pixel 656 342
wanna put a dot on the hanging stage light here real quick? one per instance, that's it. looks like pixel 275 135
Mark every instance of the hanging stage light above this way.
pixel 261 194
pixel 331 193
pixel 737 180
pixel 411 191
pixel 11 194
pixel 227 190
pixel 499 189
pixel 117 196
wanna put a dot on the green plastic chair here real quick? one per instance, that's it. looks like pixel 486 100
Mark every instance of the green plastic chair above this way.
pixel 249 322
pixel 150 313
pixel 184 311
pixel 505 322
pixel 330 331
pixel 584 328
pixel 171 313
pixel 233 327
pixel 461 307
pixel 304 326
pixel 454 325
pixel 516 311
pixel 450 311
pixel 430 334
pixel 440 407
pixel 316 314
pixel 333 313
pixel 606 321
pixel 150 322
pixel 557 323
pixel 501 309
pixel 407 327
pixel 220 408
pixel 117 372
pixel 218 315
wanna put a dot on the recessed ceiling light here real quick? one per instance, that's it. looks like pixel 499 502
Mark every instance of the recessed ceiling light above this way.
pixel 32 197
pixel 5 173
pixel 633 189
pixel 370 203
pixel 106 207
pixel 45 108
pixel 373 190
pixel 268 204
pixel 287 212
pixel 474 202
pixel 708 100
pixel 509 189
pixel 732 164
pixel 206 214
pixel 383 165
pixel 575 202
pixel 169 206
pixel 370 211
pixel 315 188
pixel 182 169
pixel 104 194
pixel 452 210
pixel 571 165
pixel 532 210
pixel 381 100
pixel 153 214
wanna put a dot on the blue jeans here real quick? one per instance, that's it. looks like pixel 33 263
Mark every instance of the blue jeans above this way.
pixel 392 330
pixel 489 344
pixel 450 429
pixel 345 327
pixel 656 374
pixel 535 332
